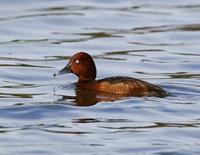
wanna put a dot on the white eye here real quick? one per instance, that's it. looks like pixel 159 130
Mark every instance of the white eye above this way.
pixel 77 61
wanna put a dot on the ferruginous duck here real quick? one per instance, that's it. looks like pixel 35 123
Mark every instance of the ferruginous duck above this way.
pixel 82 65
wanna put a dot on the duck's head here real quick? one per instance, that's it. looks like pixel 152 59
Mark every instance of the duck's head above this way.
pixel 82 65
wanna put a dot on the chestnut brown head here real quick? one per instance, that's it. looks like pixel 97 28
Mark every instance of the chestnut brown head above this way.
pixel 82 65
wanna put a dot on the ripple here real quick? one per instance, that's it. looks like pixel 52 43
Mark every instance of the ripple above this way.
pixel 38 15
pixel 153 29
pixel 23 65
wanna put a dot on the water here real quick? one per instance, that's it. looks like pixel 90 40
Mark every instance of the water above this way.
pixel 157 41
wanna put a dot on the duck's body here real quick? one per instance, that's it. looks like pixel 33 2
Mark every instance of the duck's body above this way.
pixel 82 65
pixel 123 85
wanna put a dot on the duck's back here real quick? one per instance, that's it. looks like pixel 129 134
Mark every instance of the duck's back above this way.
pixel 129 86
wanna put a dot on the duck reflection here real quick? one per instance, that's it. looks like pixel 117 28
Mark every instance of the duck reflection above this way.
pixel 90 98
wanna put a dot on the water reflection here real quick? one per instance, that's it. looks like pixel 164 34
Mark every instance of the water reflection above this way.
pixel 89 98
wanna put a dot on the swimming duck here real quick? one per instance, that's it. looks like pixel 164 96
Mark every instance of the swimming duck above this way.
pixel 82 65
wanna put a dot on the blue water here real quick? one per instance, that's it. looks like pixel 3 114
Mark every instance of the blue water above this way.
pixel 157 41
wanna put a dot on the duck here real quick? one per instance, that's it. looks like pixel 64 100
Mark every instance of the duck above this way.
pixel 83 66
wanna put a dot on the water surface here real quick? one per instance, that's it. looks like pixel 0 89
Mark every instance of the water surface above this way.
pixel 157 41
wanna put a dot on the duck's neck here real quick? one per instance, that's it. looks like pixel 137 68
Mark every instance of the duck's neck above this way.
pixel 86 84
pixel 87 76
pixel 81 81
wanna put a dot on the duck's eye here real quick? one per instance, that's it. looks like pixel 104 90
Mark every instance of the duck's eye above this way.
pixel 77 61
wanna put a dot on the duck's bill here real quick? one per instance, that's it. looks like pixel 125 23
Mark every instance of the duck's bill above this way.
pixel 65 70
